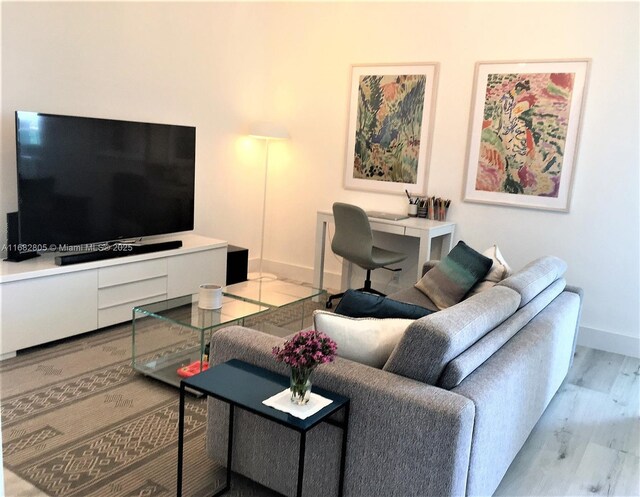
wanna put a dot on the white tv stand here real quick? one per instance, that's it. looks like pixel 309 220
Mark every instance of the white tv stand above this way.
pixel 41 302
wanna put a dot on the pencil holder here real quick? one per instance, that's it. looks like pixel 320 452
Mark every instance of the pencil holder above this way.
pixel 412 210
pixel 422 212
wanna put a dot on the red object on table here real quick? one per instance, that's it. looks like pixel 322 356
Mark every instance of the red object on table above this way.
pixel 192 369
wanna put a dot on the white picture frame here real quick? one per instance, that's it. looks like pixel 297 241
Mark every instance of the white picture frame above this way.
pixel 390 127
pixel 523 133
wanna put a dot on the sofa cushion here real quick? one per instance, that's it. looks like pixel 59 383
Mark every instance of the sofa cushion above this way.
pixel 499 271
pixel 448 282
pixel 412 295
pixel 357 304
pixel 365 340
pixel 535 277
pixel 427 346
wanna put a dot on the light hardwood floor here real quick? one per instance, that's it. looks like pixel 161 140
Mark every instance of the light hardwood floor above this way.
pixel 586 443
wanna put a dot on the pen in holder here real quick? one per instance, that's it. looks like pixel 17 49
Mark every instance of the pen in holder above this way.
pixel 412 209
pixel 434 208
pixel 422 208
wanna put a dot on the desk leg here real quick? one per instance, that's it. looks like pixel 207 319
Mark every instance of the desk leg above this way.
pixel 180 441
pixel 424 252
pixel 447 244
pixel 347 273
pixel 343 455
pixel 318 262
pixel 303 444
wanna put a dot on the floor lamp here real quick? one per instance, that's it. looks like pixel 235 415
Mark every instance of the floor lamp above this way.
pixel 267 131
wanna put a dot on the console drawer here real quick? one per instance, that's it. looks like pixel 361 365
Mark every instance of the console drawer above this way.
pixel 387 228
pixel 133 271
pixel 131 292
pixel 121 313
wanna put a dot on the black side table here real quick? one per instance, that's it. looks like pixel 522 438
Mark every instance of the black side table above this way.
pixel 244 385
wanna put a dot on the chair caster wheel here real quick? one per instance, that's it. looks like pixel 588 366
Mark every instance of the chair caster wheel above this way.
pixel 328 305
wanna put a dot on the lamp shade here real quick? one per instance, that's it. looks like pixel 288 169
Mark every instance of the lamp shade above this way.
pixel 268 130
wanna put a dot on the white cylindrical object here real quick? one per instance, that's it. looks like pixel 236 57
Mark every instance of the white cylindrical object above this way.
pixel 210 296
pixel 412 210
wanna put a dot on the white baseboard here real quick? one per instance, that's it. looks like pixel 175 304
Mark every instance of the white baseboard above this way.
pixel 609 341
pixel 7 355
pixel 297 273
pixel 332 281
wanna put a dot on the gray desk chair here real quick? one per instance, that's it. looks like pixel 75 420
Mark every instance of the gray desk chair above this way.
pixel 353 240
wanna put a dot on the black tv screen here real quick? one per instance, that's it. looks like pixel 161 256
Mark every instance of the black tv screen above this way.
pixel 84 180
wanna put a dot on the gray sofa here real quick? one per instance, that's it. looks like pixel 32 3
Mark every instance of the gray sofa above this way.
pixel 446 415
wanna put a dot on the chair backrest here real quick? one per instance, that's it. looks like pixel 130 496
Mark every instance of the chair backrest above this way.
pixel 353 239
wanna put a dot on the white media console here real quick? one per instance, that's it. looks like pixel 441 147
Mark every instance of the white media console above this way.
pixel 41 302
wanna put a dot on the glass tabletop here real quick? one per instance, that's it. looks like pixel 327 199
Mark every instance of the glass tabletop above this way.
pixel 185 311
pixel 273 293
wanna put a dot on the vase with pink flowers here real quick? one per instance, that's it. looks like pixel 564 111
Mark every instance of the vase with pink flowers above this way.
pixel 304 352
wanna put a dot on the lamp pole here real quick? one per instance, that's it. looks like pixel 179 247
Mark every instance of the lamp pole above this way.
pixel 267 131
pixel 264 202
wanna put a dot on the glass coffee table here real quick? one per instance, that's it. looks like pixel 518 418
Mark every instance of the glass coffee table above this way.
pixel 274 293
pixel 173 334
pixel 170 338
pixel 290 304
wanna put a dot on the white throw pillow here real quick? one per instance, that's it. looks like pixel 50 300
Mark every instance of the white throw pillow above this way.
pixel 499 271
pixel 368 341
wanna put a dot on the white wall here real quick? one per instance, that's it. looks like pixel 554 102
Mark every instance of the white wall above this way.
pixel 599 238
pixel 219 66
pixel 199 64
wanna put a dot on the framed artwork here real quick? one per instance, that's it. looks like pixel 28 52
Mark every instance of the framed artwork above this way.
pixel 524 128
pixel 390 127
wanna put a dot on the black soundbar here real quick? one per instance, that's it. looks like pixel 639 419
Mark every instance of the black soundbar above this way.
pixel 118 250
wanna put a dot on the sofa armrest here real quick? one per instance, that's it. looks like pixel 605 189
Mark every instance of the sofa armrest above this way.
pixel 580 292
pixel 405 437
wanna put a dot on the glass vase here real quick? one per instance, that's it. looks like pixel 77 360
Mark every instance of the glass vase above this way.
pixel 300 385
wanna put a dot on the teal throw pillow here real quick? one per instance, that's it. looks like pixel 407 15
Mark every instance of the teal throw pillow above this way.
pixel 448 282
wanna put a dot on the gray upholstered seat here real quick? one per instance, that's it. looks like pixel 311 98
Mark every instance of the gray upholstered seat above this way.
pixel 446 415
pixel 353 240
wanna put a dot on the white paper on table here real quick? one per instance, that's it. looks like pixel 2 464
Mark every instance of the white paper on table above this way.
pixel 282 402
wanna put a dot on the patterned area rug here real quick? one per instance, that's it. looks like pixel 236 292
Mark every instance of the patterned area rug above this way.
pixel 77 421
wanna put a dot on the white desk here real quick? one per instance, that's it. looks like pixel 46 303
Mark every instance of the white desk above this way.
pixel 423 229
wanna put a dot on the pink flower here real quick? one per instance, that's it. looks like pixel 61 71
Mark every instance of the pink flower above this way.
pixel 306 349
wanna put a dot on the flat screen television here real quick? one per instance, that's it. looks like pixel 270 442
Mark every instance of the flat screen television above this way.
pixel 84 180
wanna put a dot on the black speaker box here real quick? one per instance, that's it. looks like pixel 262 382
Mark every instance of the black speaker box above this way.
pixel 14 252
pixel 237 263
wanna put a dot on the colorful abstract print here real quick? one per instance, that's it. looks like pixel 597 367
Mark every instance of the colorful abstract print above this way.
pixel 389 121
pixel 524 133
